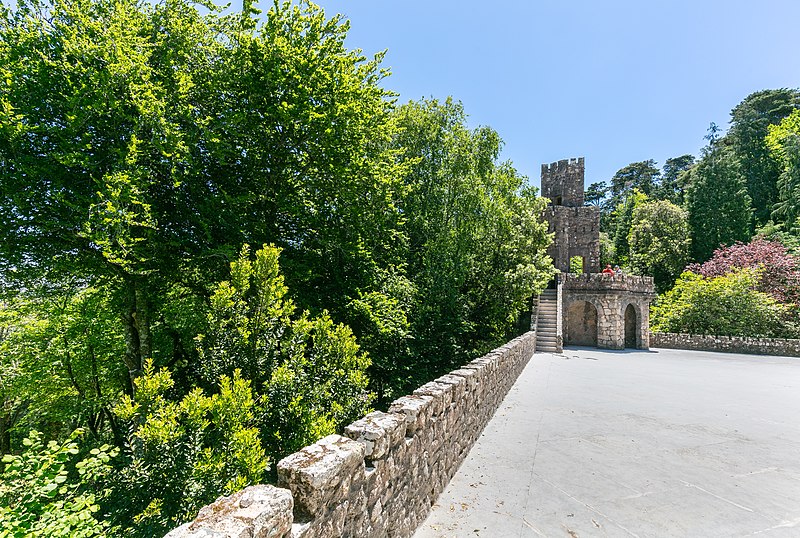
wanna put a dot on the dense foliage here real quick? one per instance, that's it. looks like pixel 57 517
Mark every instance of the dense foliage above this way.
pixel 727 305
pixel 475 238
pixel 750 123
pixel 780 271
pixel 736 207
pixel 717 201
pixel 143 146
pixel 659 242
pixel 783 141
pixel 39 495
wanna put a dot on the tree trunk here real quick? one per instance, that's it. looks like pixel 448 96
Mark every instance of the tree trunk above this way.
pixel 5 434
pixel 136 324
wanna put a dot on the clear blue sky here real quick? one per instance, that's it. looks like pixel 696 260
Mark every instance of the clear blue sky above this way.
pixel 613 81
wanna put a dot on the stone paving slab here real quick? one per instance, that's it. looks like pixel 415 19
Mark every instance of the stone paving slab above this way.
pixel 634 443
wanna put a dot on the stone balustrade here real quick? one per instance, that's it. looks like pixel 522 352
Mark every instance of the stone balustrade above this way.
pixel 382 477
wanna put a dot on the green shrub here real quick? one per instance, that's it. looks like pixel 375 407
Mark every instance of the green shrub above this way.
pixel 47 489
pixel 726 305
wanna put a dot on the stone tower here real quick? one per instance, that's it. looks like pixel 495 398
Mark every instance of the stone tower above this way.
pixel 590 308
pixel 576 227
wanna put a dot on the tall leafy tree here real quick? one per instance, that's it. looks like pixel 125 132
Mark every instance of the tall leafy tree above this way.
pixel 659 242
pixel 101 115
pixel 750 121
pixel 143 143
pixel 717 200
pixel 643 176
pixel 783 142
pixel 476 239
pixel 673 179
pixel 596 193
pixel 623 222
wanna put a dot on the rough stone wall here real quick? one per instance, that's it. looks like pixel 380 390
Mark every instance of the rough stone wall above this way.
pixel 602 281
pixel 576 232
pixel 727 344
pixel 383 476
pixel 610 295
pixel 563 181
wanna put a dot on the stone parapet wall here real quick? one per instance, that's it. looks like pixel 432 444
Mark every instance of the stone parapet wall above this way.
pixel 383 476
pixel 728 344
pixel 602 282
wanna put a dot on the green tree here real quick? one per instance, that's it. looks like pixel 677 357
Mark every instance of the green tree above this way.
pixel 717 200
pixel 725 305
pixel 783 142
pixel 143 143
pixel 623 220
pixel 673 179
pixel 476 250
pixel 308 371
pixel 596 193
pixel 659 242
pixel 750 122
pixel 642 176
pixel 100 118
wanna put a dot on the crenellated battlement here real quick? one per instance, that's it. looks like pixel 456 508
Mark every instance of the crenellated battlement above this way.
pixel 575 164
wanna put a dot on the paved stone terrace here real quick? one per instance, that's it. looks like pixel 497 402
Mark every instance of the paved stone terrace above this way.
pixel 624 443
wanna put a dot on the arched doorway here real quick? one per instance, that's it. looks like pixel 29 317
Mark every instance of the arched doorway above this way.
pixel 581 324
pixel 630 327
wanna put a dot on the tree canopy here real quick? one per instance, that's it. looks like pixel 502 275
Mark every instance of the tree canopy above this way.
pixel 717 201
pixel 659 241
pixel 143 146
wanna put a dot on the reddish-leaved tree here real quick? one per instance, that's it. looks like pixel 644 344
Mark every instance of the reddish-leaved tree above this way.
pixel 780 276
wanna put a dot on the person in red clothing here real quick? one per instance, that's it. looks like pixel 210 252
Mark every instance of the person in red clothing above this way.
pixel 608 270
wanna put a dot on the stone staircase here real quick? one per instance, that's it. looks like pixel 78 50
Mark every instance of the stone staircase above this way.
pixel 546 321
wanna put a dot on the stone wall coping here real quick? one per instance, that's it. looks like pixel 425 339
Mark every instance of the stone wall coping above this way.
pixel 728 344
pixel 379 432
pixel 261 510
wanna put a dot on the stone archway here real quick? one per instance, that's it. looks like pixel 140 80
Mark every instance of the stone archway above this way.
pixel 631 327
pixel 581 324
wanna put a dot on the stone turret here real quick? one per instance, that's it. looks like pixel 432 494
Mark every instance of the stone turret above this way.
pixel 562 182
pixel 576 228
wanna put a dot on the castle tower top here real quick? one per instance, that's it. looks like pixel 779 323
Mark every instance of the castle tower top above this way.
pixel 562 182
